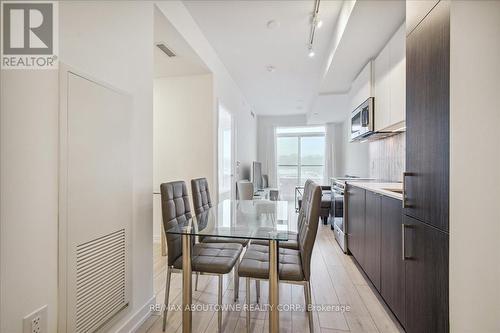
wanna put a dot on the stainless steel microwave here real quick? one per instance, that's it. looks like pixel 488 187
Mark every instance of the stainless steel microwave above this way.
pixel 362 122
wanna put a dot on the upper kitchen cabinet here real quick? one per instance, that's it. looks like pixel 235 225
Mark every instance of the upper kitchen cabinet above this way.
pixel 389 76
pixel 397 48
pixel 361 88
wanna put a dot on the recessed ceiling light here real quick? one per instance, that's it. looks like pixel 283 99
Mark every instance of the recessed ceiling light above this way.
pixel 270 68
pixel 311 53
pixel 319 24
pixel 273 24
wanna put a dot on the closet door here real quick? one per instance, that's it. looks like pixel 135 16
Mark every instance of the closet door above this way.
pixel 95 202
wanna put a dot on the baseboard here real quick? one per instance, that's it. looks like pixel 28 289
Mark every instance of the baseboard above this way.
pixel 138 318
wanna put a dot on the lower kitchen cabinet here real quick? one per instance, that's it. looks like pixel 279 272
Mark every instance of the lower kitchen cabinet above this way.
pixel 372 237
pixel 356 226
pixel 426 277
pixel 404 258
pixel 392 266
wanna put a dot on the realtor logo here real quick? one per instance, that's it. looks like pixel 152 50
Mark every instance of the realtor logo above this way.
pixel 29 35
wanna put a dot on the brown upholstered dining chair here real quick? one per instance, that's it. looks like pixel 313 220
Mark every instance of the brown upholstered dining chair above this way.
pixel 293 241
pixel 201 203
pixel 294 265
pixel 207 258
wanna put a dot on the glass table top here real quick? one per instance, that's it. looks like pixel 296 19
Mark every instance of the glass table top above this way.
pixel 249 219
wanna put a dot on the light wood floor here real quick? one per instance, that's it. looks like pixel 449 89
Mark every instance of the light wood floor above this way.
pixel 335 280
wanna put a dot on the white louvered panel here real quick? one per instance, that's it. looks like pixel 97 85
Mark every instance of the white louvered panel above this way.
pixel 95 210
pixel 100 280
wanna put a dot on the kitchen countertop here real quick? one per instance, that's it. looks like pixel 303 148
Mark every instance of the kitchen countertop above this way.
pixel 381 188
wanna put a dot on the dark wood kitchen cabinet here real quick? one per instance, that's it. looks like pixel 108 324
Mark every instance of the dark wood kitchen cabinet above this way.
pixel 427 118
pixel 426 277
pixel 372 237
pixel 426 199
pixel 426 212
pixel 392 266
pixel 355 214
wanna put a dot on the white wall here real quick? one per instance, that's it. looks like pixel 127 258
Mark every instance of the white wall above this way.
pixel 225 89
pixel 474 167
pixel 28 199
pixel 352 158
pixel 246 141
pixel 120 54
pixel 184 127
pixel 337 146
pixel 184 134
pixel 356 154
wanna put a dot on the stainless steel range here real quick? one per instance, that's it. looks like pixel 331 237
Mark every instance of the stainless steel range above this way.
pixel 338 208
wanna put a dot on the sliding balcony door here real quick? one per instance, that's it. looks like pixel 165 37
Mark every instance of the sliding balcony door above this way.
pixel 300 156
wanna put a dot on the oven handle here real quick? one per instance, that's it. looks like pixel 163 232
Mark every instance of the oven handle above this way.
pixel 337 190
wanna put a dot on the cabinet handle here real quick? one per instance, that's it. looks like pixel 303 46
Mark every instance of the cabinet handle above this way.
pixel 405 174
pixel 403 245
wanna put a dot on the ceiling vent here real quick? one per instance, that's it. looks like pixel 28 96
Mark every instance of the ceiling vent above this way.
pixel 166 50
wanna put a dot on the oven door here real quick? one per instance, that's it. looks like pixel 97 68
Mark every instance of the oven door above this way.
pixel 338 208
pixel 338 224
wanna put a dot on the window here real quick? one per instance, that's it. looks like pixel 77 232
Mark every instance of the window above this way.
pixel 300 156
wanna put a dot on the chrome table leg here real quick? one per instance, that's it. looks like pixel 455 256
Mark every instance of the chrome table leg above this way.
pixel 186 284
pixel 167 293
pixel 248 304
pixel 257 290
pixel 307 288
pixel 274 318
pixel 219 301
pixel 236 280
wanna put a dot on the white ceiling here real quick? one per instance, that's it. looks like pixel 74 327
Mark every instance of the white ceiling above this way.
pixel 238 32
pixel 186 61
pixel 329 108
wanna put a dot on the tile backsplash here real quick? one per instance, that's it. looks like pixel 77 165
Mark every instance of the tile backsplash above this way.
pixel 387 158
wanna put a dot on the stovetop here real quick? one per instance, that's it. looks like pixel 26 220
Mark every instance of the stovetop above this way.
pixel 351 178
pixel 341 181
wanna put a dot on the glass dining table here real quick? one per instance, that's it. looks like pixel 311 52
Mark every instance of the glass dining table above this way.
pixel 248 219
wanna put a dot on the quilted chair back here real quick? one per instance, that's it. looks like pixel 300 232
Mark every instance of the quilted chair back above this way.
pixel 175 212
pixel 308 226
pixel 201 195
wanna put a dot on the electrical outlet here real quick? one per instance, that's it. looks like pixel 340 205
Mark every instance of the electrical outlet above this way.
pixel 36 322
